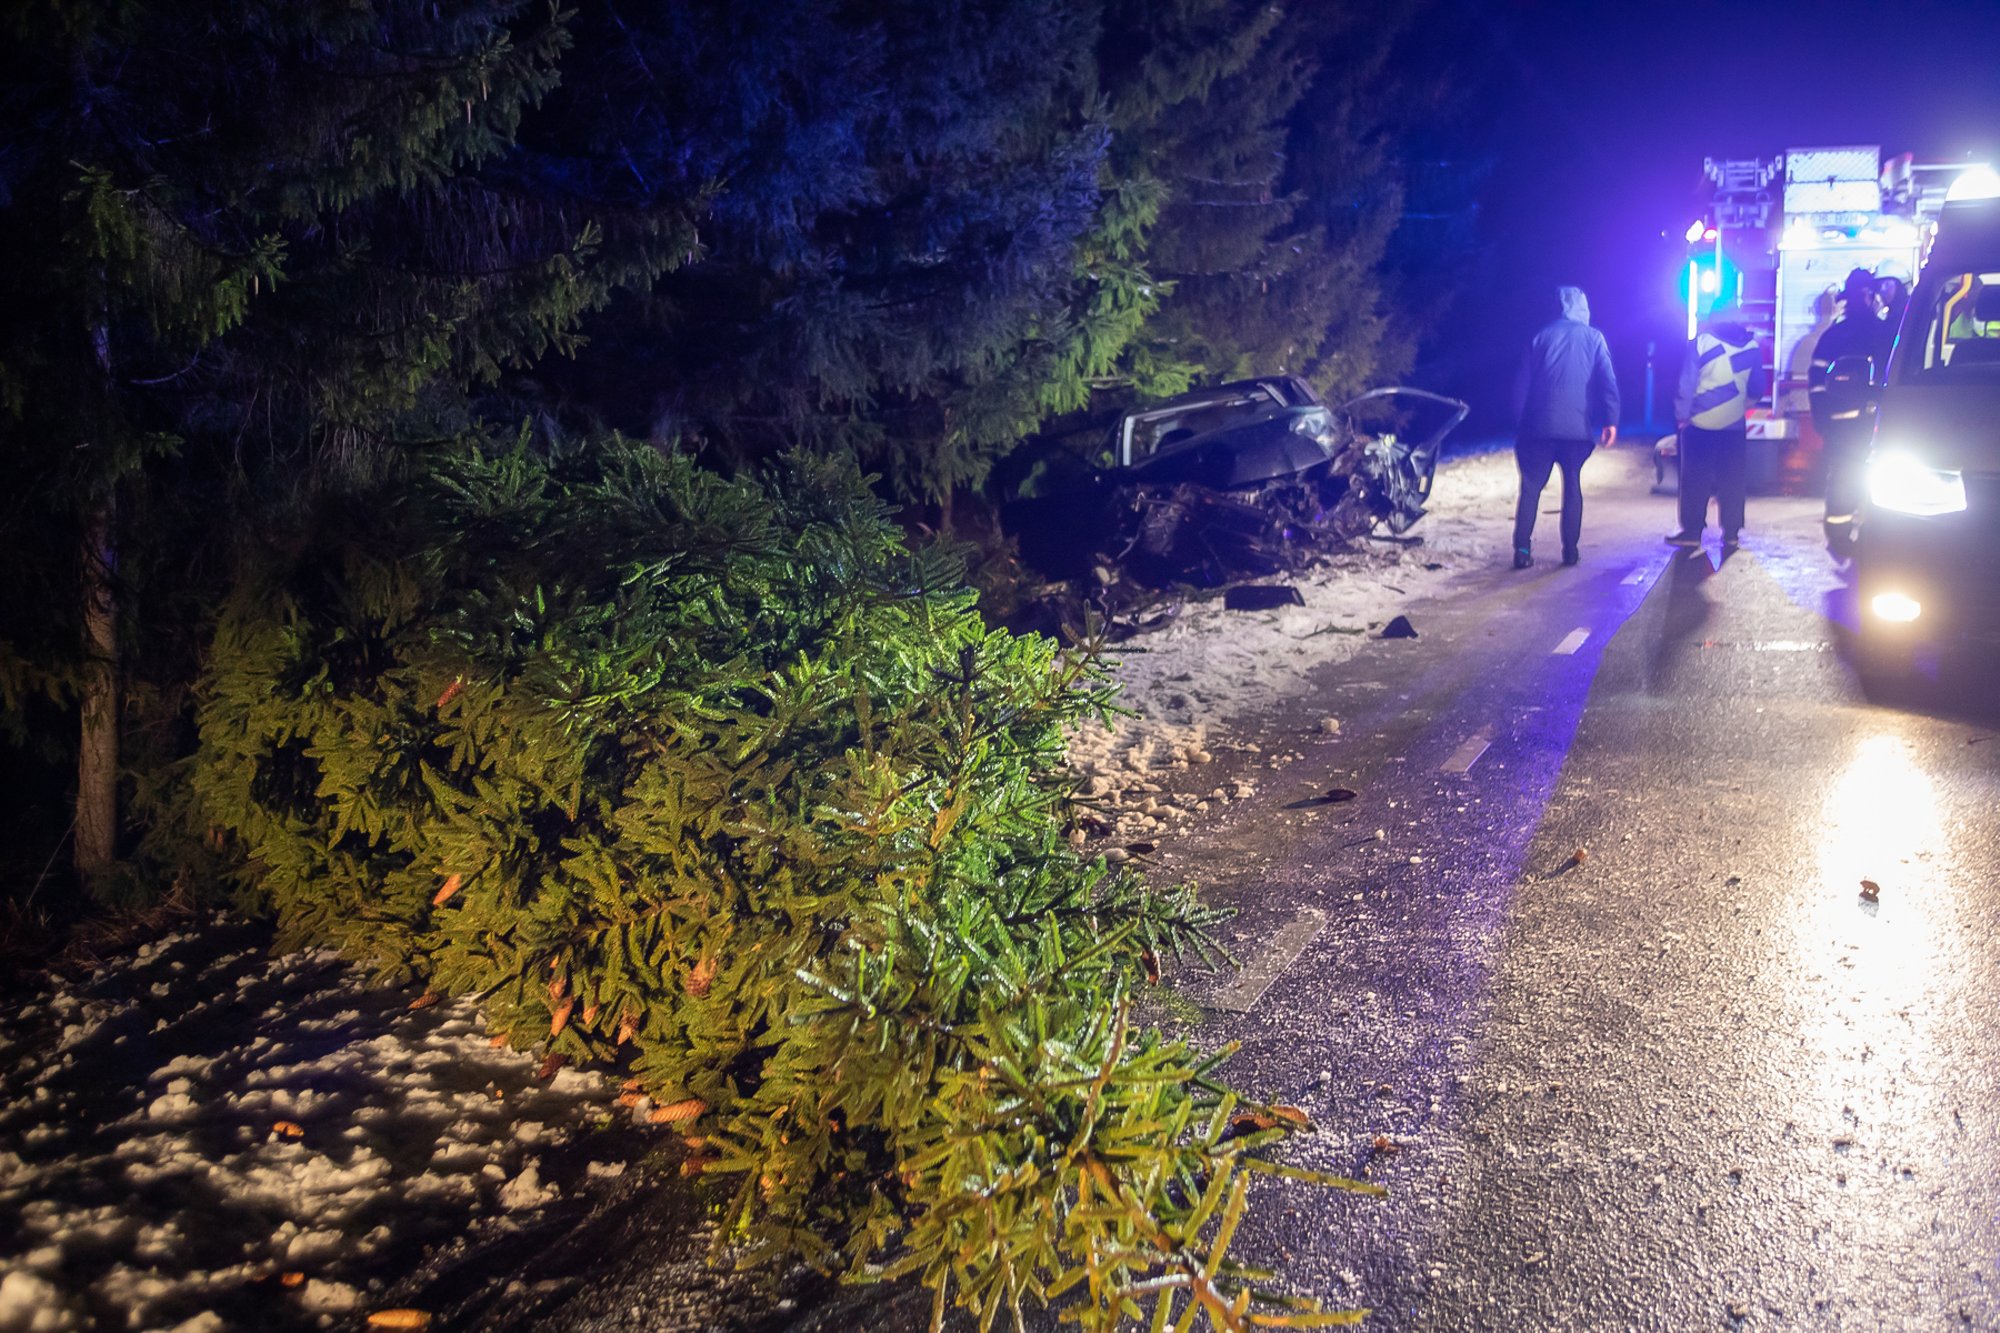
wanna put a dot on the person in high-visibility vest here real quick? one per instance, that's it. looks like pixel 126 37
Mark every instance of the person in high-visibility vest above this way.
pixel 1723 372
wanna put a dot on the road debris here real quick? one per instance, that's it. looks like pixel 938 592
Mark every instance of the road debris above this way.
pixel 1870 890
pixel 1569 863
pixel 1399 628
pixel 1261 597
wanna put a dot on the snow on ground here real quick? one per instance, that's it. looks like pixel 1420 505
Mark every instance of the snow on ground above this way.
pixel 205 1136
pixel 1213 667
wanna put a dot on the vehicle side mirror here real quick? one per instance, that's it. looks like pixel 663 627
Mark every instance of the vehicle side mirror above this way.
pixel 1851 385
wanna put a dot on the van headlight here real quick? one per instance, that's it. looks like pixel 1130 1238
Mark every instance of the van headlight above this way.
pixel 1901 483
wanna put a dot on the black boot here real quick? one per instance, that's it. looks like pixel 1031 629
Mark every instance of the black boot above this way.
pixel 1523 557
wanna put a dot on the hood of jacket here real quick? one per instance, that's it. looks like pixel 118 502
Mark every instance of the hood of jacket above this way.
pixel 1727 324
pixel 1575 305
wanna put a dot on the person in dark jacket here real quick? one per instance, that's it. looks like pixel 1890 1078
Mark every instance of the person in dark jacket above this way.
pixel 1723 373
pixel 1860 331
pixel 1566 403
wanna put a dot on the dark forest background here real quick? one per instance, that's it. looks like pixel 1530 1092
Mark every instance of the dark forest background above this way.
pixel 266 254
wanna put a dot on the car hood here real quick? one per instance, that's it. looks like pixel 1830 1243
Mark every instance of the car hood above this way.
pixel 1945 426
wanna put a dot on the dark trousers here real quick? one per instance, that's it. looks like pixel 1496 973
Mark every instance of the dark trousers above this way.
pixel 1537 458
pixel 1846 467
pixel 1712 463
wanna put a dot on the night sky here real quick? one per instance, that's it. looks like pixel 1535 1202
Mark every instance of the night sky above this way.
pixel 1596 117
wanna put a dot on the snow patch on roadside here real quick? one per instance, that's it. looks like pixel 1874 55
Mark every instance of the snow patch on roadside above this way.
pixel 201 1139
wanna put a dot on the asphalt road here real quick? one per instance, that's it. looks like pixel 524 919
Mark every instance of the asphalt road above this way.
pixel 1607 978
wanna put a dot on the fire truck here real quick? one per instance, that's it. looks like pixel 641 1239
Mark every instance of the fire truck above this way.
pixel 1776 238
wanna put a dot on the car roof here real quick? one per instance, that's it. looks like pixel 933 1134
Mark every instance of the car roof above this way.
pixel 1292 387
pixel 1968 237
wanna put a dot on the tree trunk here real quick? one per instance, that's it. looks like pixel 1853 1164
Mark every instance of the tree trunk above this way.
pixel 97 755
pixel 96 846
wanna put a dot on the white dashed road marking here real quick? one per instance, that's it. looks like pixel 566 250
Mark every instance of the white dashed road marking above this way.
pixel 1249 985
pixel 1465 756
pixel 1571 642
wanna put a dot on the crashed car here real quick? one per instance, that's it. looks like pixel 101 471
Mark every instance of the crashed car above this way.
pixel 1257 476
pixel 1235 482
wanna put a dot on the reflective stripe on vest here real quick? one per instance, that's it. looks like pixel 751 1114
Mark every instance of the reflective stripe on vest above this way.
pixel 1721 387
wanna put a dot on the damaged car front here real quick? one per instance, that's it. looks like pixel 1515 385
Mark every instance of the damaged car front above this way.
pixel 1239 481
pixel 1258 476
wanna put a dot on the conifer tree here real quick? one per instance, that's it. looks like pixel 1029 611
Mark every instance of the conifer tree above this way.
pixel 1284 187
pixel 933 229
pixel 1156 66
pixel 247 246
pixel 931 226
pixel 902 190
pixel 1201 121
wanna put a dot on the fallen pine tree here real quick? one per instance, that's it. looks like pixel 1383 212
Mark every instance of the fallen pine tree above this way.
pixel 719 782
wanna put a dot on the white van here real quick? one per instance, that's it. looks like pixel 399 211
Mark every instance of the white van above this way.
pixel 1928 563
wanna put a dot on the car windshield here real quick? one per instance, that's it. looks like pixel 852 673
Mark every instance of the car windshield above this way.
pixel 1151 430
pixel 1961 332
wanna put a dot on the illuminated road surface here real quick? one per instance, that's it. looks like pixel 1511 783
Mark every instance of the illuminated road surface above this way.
pixel 1610 980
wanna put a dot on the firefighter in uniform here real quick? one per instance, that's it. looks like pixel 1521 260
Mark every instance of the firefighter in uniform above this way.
pixel 1860 331
pixel 1724 370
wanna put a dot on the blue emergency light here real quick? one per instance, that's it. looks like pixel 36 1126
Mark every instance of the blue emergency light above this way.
pixel 1708 282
